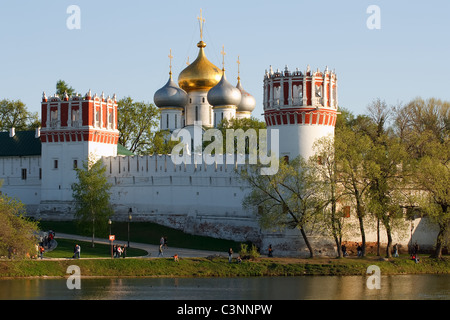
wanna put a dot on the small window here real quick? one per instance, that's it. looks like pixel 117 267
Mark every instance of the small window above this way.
pixel 346 212
pixel 203 99
pixel 55 164
pixel 75 164
pixel 40 173
pixel 24 174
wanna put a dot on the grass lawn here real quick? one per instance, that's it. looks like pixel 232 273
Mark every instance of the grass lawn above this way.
pixel 147 232
pixel 65 250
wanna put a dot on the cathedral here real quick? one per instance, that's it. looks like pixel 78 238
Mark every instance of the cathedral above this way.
pixel 200 198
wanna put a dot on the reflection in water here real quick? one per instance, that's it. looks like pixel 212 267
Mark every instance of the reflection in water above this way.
pixel 394 287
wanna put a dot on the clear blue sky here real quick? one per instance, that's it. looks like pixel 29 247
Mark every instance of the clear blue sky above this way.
pixel 123 46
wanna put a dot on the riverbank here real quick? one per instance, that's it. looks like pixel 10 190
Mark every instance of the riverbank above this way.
pixel 219 267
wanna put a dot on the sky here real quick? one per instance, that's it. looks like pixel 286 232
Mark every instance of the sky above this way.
pixel 396 53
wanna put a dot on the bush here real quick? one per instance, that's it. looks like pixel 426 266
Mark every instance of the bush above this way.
pixel 251 254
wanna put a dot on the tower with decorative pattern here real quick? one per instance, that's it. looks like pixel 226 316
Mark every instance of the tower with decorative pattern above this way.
pixel 302 105
pixel 72 130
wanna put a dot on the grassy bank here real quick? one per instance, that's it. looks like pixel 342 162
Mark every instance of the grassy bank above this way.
pixel 219 267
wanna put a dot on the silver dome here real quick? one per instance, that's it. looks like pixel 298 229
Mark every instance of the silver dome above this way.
pixel 171 95
pixel 224 94
pixel 248 102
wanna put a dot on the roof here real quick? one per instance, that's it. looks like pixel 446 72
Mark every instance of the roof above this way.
pixel 122 151
pixel 24 143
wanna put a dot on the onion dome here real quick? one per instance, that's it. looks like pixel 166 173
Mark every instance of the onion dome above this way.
pixel 200 75
pixel 224 94
pixel 171 95
pixel 248 102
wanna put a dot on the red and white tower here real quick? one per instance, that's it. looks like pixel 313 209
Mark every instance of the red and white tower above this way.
pixel 72 130
pixel 302 106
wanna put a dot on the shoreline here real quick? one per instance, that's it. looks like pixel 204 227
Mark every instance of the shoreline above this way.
pixel 144 267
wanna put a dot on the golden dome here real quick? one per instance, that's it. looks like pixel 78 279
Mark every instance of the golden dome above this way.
pixel 200 75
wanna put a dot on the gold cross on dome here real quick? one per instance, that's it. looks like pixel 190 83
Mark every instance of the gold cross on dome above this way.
pixel 238 63
pixel 170 59
pixel 223 53
pixel 201 21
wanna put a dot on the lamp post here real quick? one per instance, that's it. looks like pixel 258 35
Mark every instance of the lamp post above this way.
pixel 129 220
pixel 110 223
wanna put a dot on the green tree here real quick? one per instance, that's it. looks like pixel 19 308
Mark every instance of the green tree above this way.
pixel 243 124
pixel 423 126
pixel 323 164
pixel 62 88
pixel 18 234
pixel 14 114
pixel 352 151
pixel 287 199
pixel 92 197
pixel 161 143
pixel 137 123
pixel 433 179
pixel 388 156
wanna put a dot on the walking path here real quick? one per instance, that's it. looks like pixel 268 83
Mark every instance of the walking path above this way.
pixel 152 250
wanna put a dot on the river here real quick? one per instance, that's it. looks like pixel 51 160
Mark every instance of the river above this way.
pixel 392 287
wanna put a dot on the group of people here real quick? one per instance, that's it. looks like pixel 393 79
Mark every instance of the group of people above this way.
pixel 119 252
pixel 414 250
pixel 359 251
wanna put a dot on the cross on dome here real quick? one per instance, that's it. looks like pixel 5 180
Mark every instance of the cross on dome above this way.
pixel 238 63
pixel 201 20
pixel 223 53
pixel 170 61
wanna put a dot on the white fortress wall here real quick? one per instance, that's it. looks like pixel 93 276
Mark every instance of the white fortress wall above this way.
pixel 197 198
pixel 20 177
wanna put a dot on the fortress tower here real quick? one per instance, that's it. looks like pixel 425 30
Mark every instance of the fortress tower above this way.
pixel 302 106
pixel 73 129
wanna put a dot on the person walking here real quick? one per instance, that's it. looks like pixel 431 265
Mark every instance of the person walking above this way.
pixel 161 253
pixel 230 255
pixel 396 250
pixel 270 254
pixel 359 250
pixel 41 251
pixel 77 252
pixel 344 250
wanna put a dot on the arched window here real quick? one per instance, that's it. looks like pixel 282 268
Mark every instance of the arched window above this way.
pixel 176 121
pixel 196 113
pixel 167 121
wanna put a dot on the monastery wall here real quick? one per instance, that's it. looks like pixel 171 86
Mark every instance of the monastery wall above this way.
pixel 20 177
pixel 196 198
